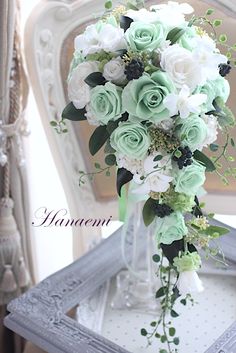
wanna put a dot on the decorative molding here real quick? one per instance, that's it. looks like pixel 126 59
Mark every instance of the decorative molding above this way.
pixel 40 314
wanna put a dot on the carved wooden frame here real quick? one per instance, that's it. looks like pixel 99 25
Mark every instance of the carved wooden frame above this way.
pixel 40 314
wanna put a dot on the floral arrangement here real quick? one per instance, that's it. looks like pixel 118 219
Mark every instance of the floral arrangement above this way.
pixel 153 85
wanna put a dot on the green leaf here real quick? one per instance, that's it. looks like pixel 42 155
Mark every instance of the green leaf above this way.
pixel 125 22
pixel 71 113
pixel 215 231
pixel 223 38
pixel 175 34
pixel 172 331
pixel 108 148
pixel 163 351
pixel 209 12
pixel 224 114
pixel 163 339
pixel 123 177
pixel 174 313
pixel 183 301
pixel 232 142
pixel 204 160
pixel 161 292
pixel 153 324
pixel 176 341
pixel 214 147
pixel 144 332
pixel 108 5
pixel 98 139
pixel 110 159
pixel 217 23
pixel 95 79
pixel 53 123
pixel 158 158
pixel 156 258
pixel 148 212
pixel 97 165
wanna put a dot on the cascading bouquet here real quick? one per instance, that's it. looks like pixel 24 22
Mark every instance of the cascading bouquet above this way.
pixel 153 85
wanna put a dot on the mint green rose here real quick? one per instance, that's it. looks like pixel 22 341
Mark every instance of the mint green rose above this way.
pixel 172 228
pixel 131 139
pixel 186 40
pixel 190 179
pixel 106 103
pixel 144 97
pixel 217 88
pixel 192 132
pixel 188 262
pixel 145 36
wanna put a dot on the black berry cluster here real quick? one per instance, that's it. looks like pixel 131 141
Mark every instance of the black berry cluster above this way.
pixel 134 69
pixel 162 210
pixel 183 157
pixel 225 69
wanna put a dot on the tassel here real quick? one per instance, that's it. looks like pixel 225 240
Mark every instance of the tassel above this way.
pixel 23 274
pixel 8 283
pixel 14 278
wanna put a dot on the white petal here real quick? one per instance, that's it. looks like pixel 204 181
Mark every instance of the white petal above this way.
pixel 197 99
pixel 186 9
pixel 170 102
pixel 184 111
pixel 189 282
pixel 185 92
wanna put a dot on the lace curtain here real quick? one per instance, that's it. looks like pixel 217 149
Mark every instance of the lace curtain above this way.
pixel 16 265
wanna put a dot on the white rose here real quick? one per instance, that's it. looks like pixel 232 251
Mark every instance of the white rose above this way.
pixel 189 282
pixel 78 90
pixel 143 15
pixel 114 71
pixel 112 38
pixel 100 37
pixel 212 129
pixel 172 13
pixel 179 63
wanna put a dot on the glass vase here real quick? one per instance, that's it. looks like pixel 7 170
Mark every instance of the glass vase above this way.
pixel 136 285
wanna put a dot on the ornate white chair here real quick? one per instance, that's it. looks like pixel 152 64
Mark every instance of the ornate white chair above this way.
pixel 49 39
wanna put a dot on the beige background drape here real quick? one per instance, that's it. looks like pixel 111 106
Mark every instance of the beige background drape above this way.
pixel 9 34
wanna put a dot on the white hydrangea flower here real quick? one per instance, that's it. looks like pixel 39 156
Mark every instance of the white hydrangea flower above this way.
pixel 156 179
pixel 212 129
pixel 184 103
pixel 207 57
pixel 114 71
pixel 100 37
pixel 90 117
pixel 189 282
pixel 135 166
pixel 78 90
pixel 172 13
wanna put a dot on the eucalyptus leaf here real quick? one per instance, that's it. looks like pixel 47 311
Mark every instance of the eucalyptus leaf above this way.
pixel 98 139
pixel 173 313
pixel 204 160
pixel 161 292
pixel 73 114
pixel 123 177
pixel 110 159
pixel 148 212
pixel 95 79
